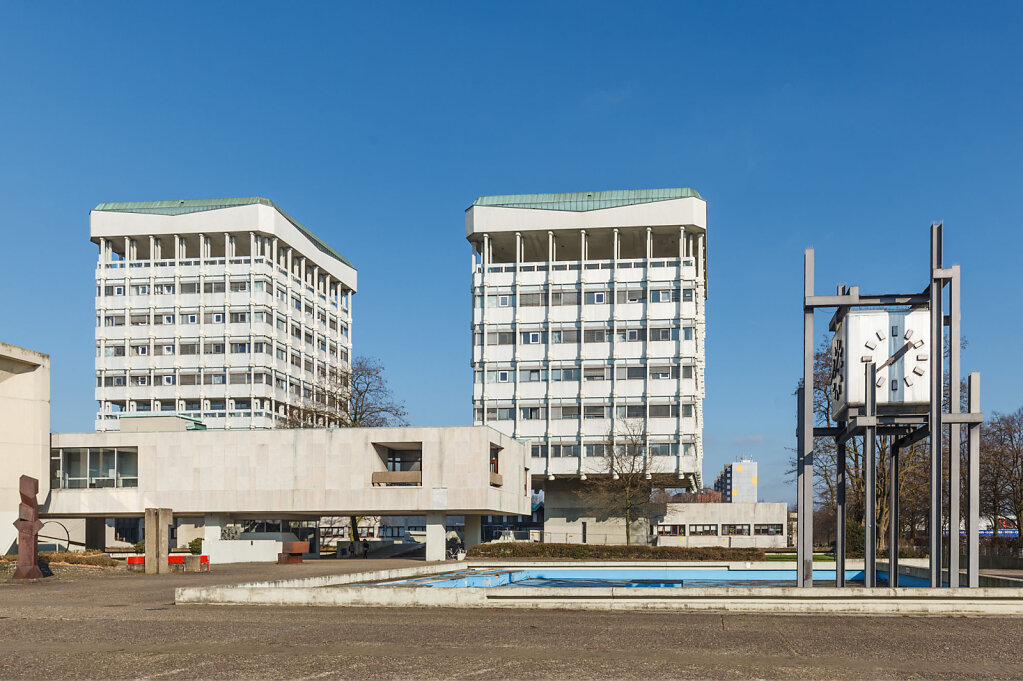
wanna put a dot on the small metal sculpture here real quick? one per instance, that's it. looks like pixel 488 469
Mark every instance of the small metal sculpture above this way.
pixel 28 525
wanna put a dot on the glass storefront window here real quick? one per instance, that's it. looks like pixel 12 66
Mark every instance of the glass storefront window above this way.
pixel 100 467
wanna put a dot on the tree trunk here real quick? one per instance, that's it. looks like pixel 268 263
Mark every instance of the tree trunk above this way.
pixel 353 521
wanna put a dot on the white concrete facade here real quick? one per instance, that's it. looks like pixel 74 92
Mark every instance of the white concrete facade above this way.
pixel 589 311
pixel 738 482
pixel 730 525
pixel 24 431
pixel 303 474
pixel 227 310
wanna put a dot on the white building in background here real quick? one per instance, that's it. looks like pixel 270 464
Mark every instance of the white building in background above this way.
pixel 758 525
pixel 738 481
pixel 226 310
pixel 588 314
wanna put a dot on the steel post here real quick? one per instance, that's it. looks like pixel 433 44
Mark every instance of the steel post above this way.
pixel 806 416
pixel 840 510
pixel 973 512
pixel 893 516
pixel 800 515
pixel 954 454
pixel 934 419
pixel 869 479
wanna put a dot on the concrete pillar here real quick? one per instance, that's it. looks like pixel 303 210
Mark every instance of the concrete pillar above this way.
pixel 165 518
pixel 152 539
pixel 435 542
pixel 473 530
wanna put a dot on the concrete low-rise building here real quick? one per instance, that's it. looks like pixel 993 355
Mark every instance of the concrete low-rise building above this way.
pixel 733 525
pixel 217 479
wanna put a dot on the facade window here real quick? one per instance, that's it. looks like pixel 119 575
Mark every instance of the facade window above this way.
pixel 687 333
pixel 113 351
pixel 95 467
pixel 532 375
pixel 565 298
pixel 631 411
pixel 500 338
pixel 565 412
pixel 631 373
pixel 595 297
pixel 139 290
pixel 532 413
pixel 671 530
pixel 595 449
pixel 686 410
pixel 687 295
pixel 632 296
pixel 565 450
pixel 140 350
pixel 239 317
pixel 687 371
pixel 533 337
pixel 703 530
pixel 598 411
pixel 190 287
pixel 238 286
pixel 531 300
pixel 597 373
pixel 163 288
pixel 595 335
pixel 768 529
pixel 213 287
pixel 664 295
pixel 565 336
pixel 169 380
pixel 218 317
pixel 663 334
pixel 735 530
pixel 239 348
pixel 565 374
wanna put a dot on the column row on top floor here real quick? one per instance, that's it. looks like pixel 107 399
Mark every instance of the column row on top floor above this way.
pixel 591 244
pixel 219 249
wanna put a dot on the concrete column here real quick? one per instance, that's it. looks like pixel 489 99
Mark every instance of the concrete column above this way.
pixel 649 243
pixel 550 246
pixel 274 252
pixel 152 537
pixel 473 530
pixel 582 244
pixel 165 518
pixel 614 246
pixel 435 543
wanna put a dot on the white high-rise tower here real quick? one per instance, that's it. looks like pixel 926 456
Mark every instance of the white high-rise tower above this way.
pixel 227 310
pixel 588 315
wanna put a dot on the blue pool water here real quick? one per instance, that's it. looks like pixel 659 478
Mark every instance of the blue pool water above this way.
pixel 631 577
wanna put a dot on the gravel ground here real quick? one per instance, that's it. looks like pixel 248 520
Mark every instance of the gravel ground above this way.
pixel 121 625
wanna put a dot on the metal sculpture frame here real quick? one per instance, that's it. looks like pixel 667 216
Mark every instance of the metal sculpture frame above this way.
pixel 907 429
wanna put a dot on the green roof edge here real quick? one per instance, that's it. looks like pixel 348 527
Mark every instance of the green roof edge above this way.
pixel 185 206
pixel 586 201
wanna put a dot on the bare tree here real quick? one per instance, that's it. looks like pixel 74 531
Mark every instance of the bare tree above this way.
pixel 356 397
pixel 1003 445
pixel 623 479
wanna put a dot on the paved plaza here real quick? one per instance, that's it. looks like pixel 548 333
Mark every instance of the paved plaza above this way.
pixel 124 625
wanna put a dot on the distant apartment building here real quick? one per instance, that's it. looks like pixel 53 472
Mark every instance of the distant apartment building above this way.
pixel 737 483
pixel 588 317
pixel 224 310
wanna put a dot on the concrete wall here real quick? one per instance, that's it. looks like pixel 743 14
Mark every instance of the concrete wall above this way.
pixel 317 472
pixel 773 513
pixel 566 516
pixel 24 431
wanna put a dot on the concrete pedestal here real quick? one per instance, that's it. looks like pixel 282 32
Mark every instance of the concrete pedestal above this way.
pixel 158 522
pixel 435 531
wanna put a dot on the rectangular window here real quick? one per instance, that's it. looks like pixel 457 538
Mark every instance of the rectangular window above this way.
pixel 531 300
pixel 213 287
pixel 239 348
pixel 565 298
pixel 113 351
pixel 532 413
pixel 660 411
pixel 565 412
pixel 218 318
pixel 533 337
pixel 667 295
pixel 595 336
pixel 632 296
pixel 213 349
pixel 735 530
pixel 595 297
pixel 703 530
pixel 189 348
pixel 238 286
pixel 500 338
pixel 595 450
pixel 569 374
pixel 532 375
pixel 631 373
pixel 166 319
pixel 688 333
pixel 169 380
pixel 140 349
pixel 596 373
pixel 768 529
pixel 190 287
pixel 239 317
pixel 686 410
pixel 598 411
pixel 687 372
pixel 139 290
pixel 687 295
pixel 631 411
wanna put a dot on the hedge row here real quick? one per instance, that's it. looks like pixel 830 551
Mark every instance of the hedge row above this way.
pixel 612 552
pixel 96 559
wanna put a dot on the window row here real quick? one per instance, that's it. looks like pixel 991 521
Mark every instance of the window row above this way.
pixel 590 297
pixel 184 288
pixel 597 335
pixel 571 412
pixel 726 530
pixel 216 316
pixel 598 449
pixel 590 373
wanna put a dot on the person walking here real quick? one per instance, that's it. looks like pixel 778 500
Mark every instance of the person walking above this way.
pixel 365 549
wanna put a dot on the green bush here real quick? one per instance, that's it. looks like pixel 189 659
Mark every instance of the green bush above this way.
pixel 140 547
pixel 612 552
pixel 94 558
pixel 195 546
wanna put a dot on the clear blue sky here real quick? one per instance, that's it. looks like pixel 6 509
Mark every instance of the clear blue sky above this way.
pixel 846 128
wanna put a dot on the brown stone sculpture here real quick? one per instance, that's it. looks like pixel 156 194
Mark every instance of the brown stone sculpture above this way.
pixel 28 530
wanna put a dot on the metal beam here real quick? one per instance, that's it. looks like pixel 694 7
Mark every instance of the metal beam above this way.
pixel 893 515
pixel 805 552
pixel 937 392
pixel 813 301
pixel 973 502
pixel 955 456
pixel 870 480
pixel 840 513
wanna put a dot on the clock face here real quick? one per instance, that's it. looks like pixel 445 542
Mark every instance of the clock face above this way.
pixel 896 343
